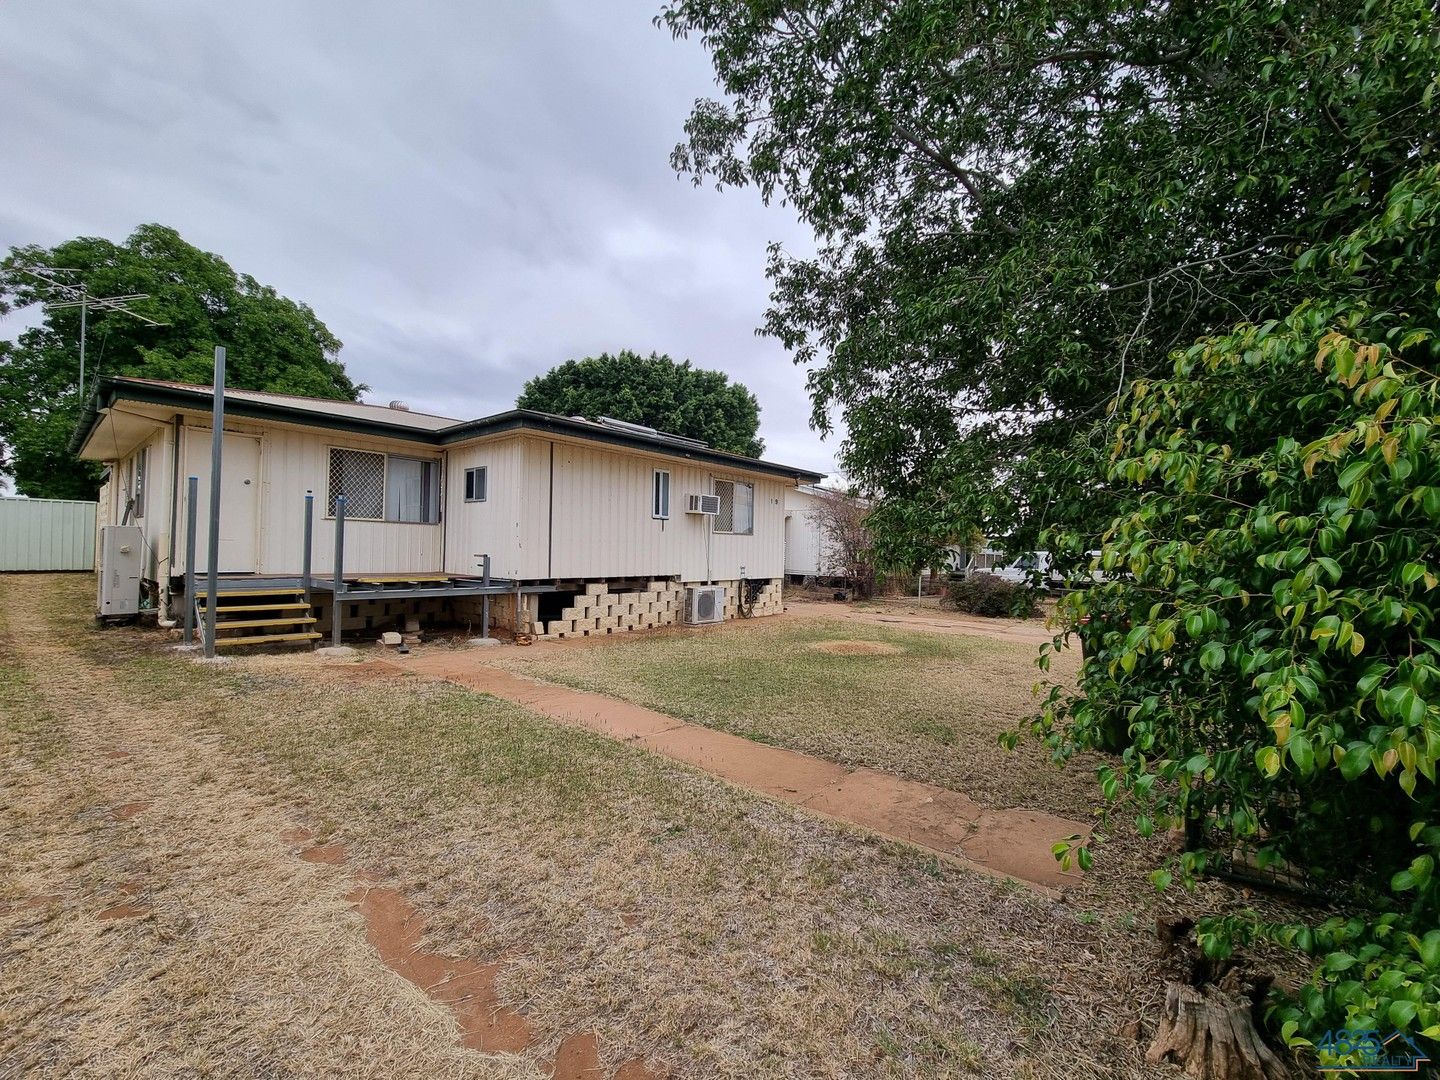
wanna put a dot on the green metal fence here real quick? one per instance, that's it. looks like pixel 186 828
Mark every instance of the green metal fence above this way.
pixel 46 534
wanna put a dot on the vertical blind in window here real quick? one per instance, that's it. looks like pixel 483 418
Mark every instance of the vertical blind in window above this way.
pixel 411 490
pixel 660 495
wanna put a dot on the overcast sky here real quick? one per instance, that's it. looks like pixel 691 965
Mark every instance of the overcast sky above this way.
pixel 466 193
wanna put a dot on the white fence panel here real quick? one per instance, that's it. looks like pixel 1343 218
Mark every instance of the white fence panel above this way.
pixel 46 534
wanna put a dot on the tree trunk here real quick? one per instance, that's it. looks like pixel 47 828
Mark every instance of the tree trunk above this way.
pixel 1210 1030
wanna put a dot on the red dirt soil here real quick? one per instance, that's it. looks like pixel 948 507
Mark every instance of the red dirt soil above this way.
pixel 395 929
pixel 328 854
pixel 126 910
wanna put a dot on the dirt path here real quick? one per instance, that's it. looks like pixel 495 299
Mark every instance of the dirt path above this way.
pixel 1011 843
pixel 1024 631
pixel 162 913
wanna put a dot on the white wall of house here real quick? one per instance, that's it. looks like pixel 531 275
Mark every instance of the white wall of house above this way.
pixel 141 482
pixel 600 523
pixel 263 523
pixel 497 526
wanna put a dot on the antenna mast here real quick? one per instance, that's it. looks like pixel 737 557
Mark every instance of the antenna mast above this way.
pixel 79 296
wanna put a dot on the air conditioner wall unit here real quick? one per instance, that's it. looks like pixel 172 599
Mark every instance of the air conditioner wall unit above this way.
pixel 704 604
pixel 708 505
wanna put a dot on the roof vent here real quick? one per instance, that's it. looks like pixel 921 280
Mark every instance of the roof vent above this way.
pixel 400 406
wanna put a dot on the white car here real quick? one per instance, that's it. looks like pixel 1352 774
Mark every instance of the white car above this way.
pixel 1036 566
pixel 1026 570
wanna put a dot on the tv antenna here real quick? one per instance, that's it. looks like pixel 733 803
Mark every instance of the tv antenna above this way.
pixel 78 296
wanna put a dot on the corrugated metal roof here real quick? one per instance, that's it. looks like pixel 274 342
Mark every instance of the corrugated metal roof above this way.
pixel 402 423
pixel 359 410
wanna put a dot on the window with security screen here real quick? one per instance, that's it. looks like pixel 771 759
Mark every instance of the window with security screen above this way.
pixel 737 507
pixel 359 475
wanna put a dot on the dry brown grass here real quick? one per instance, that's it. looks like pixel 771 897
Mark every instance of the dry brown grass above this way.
pixel 931 710
pixel 245 961
pixel 710 930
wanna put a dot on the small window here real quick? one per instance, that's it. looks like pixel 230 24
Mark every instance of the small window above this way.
pixel 141 461
pixel 411 490
pixel 737 507
pixel 660 495
pixel 475 484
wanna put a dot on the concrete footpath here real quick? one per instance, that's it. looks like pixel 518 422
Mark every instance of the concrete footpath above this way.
pixel 1009 843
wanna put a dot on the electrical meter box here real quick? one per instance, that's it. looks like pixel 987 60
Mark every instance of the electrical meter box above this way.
pixel 121 551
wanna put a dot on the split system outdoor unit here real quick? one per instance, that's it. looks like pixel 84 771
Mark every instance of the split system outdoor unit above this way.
pixel 121 548
pixel 704 504
pixel 704 604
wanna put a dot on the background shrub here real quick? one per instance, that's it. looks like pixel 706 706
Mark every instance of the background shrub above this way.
pixel 985 594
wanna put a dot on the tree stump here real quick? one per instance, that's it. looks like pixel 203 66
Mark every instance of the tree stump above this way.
pixel 1210 1031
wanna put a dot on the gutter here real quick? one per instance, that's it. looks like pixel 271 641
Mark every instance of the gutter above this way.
pixel 529 420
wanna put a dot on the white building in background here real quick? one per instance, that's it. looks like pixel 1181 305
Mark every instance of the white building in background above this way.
pixel 808 550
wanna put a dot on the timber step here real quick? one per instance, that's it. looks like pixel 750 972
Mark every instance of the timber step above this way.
pixel 259 617
pixel 287 591
pixel 282 620
pixel 298 605
pixel 265 639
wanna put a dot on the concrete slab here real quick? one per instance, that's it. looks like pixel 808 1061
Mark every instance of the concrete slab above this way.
pixel 785 774
pixel 1017 843
pixel 923 814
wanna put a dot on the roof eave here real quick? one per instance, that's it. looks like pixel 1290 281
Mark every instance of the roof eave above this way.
pixel 202 401
pixel 528 420
pixel 110 388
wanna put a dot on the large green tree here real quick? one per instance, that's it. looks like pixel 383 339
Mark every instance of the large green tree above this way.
pixel 655 391
pixel 1025 206
pixel 273 343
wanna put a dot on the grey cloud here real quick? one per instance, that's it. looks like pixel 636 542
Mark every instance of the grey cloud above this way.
pixel 467 194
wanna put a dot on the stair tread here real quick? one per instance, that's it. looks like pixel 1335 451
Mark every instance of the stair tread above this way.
pixel 287 606
pixel 286 620
pixel 288 591
pixel 262 639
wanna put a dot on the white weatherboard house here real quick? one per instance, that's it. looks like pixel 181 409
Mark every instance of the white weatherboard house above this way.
pixel 590 527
